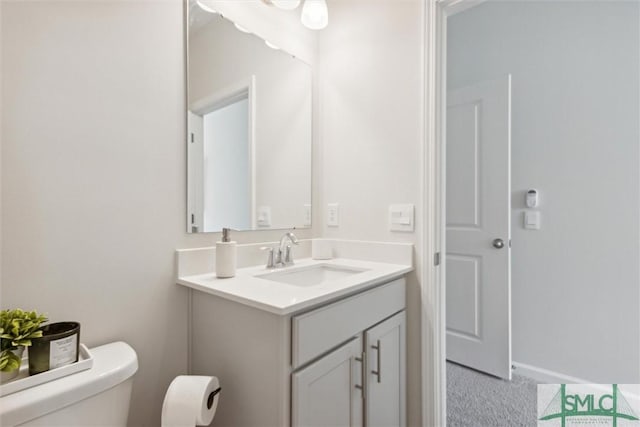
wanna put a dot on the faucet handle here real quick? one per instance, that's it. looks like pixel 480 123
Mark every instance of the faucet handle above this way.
pixel 293 238
pixel 270 260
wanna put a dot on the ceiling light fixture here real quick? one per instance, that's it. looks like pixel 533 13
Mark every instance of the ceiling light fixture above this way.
pixel 241 28
pixel 271 45
pixel 315 15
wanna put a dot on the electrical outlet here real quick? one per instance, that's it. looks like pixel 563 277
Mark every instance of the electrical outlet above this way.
pixel 307 214
pixel 264 216
pixel 333 215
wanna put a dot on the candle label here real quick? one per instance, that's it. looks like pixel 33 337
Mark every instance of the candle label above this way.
pixel 63 351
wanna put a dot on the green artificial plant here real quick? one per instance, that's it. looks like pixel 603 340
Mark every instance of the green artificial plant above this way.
pixel 17 328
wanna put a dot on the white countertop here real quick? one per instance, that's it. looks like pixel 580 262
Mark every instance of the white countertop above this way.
pixel 280 298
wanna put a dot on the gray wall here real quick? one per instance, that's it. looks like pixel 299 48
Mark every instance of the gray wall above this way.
pixel 575 68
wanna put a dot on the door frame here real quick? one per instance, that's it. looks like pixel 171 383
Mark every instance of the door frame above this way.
pixel 433 330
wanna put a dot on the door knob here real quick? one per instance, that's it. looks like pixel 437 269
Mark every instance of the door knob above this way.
pixel 498 243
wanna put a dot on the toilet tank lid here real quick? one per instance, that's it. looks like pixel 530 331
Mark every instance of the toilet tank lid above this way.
pixel 113 364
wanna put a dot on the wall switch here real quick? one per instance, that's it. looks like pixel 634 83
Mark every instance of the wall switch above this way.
pixel 333 215
pixel 307 214
pixel 263 214
pixel 401 217
pixel 532 220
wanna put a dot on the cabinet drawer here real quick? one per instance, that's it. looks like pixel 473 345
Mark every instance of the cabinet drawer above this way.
pixel 318 331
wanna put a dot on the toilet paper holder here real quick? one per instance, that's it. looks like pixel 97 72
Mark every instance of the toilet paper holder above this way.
pixel 212 397
pixel 190 400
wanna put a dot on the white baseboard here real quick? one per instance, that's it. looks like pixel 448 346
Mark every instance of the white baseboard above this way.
pixel 546 376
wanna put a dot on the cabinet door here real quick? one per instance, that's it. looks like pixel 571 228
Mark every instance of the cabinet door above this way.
pixel 385 348
pixel 328 392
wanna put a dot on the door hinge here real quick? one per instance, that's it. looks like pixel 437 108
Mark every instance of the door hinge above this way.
pixel 193 219
pixel 436 258
pixel 192 138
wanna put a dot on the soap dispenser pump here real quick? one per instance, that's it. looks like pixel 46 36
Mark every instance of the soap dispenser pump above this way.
pixel 226 254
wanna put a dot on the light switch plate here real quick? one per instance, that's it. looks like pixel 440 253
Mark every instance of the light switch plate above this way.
pixel 307 214
pixel 333 215
pixel 401 217
pixel 263 215
pixel 532 220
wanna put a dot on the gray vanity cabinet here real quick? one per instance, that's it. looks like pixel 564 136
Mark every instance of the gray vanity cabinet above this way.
pixel 317 367
pixel 362 383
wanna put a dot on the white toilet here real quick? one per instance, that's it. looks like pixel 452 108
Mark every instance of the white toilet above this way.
pixel 100 396
pixel 95 397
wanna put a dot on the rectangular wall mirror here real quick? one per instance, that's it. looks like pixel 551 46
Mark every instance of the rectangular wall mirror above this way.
pixel 249 129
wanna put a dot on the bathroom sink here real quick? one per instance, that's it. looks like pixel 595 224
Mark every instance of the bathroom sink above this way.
pixel 311 275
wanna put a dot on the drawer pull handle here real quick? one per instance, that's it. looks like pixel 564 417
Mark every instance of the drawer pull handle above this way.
pixel 378 372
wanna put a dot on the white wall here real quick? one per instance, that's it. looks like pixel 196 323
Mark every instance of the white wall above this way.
pixel 1 138
pixel 575 68
pixel 92 180
pixel 94 177
pixel 370 114
pixel 283 131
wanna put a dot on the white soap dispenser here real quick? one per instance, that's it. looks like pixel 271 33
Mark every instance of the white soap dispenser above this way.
pixel 226 254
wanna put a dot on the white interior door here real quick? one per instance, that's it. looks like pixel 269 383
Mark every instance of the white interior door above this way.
pixel 478 275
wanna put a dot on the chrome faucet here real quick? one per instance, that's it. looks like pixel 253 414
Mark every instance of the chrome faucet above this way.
pixel 284 255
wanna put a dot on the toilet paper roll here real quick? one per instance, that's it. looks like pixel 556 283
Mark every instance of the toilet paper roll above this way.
pixel 190 400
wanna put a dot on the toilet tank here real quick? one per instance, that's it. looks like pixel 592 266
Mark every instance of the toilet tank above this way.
pixel 96 397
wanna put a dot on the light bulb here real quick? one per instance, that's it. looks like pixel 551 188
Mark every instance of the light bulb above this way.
pixel 286 4
pixel 271 45
pixel 241 28
pixel 204 6
pixel 314 14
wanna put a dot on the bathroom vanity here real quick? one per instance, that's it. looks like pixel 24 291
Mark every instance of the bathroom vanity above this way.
pixel 316 343
pixel 319 343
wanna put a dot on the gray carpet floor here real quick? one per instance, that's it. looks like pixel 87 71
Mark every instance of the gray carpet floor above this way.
pixel 475 399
